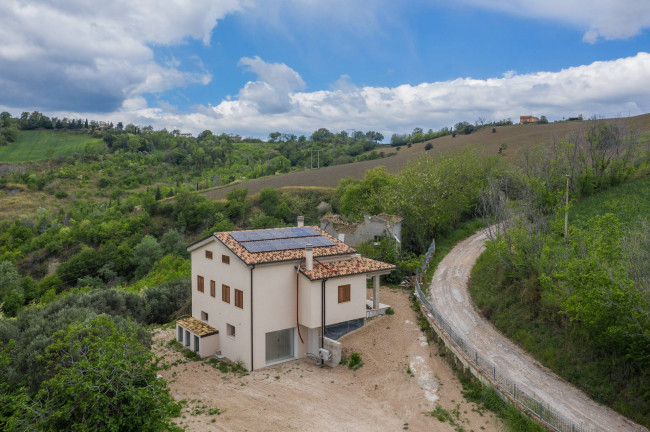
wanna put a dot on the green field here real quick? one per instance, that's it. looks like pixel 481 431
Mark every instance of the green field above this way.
pixel 43 144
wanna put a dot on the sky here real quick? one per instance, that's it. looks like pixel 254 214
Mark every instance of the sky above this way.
pixel 253 67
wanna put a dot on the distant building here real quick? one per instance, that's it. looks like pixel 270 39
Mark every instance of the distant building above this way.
pixel 528 119
pixel 372 228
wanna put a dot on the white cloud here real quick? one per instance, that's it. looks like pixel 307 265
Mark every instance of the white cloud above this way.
pixel 606 19
pixel 609 88
pixel 93 55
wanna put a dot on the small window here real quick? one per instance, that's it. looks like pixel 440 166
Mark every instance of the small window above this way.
pixel 225 259
pixel 230 330
pixel 187 338
pixel 204 316
pixel 199 283
pixel 213 288
pixel 225 293
pixel 196 343
pixel 208 254
pixel 180 334
pixel 239 299
pixel 344 293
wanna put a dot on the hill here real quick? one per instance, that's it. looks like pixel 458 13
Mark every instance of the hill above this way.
pixel 36 145
pixel 517 137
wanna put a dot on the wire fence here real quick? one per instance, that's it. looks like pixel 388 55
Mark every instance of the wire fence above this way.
pixel 503 384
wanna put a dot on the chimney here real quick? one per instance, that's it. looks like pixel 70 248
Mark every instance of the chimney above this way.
pixel 309 257
pixel 301 221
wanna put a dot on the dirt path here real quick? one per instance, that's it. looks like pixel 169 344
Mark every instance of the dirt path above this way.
pixel 450 296
pixel 401 380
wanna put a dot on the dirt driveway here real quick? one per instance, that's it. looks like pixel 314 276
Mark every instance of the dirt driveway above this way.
pixel 448 294
pixel 401 380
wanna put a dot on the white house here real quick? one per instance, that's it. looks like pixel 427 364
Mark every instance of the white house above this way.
pixel 263 296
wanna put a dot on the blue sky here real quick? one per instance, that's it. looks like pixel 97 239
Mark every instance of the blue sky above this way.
pixel 253 67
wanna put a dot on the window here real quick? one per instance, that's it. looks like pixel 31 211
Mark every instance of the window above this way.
pixel 225 259
pixel 180 334
pixel 204 316
pixel 344 293
pixel 187 338
pixel 213 288
pixel 199 283
pixel 196 343
pixel 230 330
pixel 208 254
pixel 225 293
pixel 239 299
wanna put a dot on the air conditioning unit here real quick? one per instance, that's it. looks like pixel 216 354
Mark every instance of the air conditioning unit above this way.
pixel 324 354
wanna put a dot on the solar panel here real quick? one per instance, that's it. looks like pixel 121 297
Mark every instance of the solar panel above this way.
pixel 286 244
pixel 275 233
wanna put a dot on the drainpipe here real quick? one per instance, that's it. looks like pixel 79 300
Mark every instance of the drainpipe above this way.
pixel 322 333
pixel 252 268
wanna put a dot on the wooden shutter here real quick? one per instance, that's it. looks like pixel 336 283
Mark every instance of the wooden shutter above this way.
pixel 225 293
pixel 213 288
pixel 239 299
pixel 199 283
pixel 344 293
pixel 225 259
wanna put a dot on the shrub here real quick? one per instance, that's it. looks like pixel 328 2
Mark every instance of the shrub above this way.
pixel 61 194
pixel 390 311
pixel 163 301
pixel 428 146
pixel 355 361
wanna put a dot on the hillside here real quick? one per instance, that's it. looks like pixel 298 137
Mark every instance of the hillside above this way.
pixel 36 145
pixel 517 137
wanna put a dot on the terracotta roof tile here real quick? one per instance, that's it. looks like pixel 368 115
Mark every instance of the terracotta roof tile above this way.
pixel 357 265
pixel 197 327
pixel 339 248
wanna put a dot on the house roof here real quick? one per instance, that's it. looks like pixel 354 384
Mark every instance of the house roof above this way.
pixel 356 265
pixel 197 327
pixel 338 248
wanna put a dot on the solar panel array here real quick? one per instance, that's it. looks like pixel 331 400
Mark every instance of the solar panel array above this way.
pixel 286 244
pixel 273 234
pixel 269 240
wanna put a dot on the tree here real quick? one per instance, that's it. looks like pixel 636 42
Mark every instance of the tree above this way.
pixel 102 378
pixel 543 120
pixel 145 254
pixel 269 198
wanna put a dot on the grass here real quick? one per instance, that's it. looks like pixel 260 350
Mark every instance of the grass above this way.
pixel 547 334
pixel 42 144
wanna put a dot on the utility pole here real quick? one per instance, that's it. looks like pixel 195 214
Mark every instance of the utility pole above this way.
pixel 566 208
pixel 318 157
pixel 311 160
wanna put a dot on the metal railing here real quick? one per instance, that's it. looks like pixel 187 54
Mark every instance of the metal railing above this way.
pixel 502 383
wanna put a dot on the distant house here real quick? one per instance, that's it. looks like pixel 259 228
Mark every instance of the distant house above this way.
pixel 265 296
pixel 528 119
pixel 372 228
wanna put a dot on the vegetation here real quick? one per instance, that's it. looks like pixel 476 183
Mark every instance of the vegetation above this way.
pixel 580 304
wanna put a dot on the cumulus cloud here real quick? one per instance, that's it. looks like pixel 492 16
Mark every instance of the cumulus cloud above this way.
pixel 609 88
pixel 92 56
pixel 270 94
pixel 599 19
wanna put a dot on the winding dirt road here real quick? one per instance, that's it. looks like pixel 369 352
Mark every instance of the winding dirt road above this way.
pixel 449 294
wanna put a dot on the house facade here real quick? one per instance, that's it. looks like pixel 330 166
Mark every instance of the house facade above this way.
pixel 372 227
pixel 263 296
pixel 528 119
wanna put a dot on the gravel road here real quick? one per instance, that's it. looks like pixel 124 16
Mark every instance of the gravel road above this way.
pixel 449 294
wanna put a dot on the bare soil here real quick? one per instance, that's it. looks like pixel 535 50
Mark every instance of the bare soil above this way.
pixel 402 379
pixel 450 296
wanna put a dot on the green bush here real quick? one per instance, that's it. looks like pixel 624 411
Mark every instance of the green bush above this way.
pixel 163 301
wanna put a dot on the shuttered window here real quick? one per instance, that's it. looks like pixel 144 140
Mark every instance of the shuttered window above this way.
pixel 225 259
pixel 208 254
pixel 225 293
pixel 199 283
pixel 213 288
pixel 344 293
pixel 239 299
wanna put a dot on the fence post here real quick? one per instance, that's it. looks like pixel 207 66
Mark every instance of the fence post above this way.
pixel 476 358
pixel 514 391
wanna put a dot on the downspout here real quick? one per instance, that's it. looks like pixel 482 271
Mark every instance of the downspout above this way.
pixel 322 332
pixel 252 268
pixel 297 303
